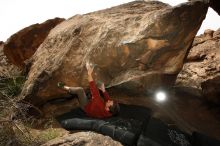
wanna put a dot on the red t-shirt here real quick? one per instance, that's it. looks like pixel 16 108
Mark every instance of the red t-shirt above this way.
pixel 96 106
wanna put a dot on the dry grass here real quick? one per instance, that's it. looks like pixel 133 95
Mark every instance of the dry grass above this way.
pixel 17 127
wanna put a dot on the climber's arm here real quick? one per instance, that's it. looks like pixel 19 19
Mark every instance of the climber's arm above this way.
pixel 105 93
pixel 93 89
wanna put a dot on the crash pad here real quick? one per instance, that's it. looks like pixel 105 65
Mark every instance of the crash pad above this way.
pixel 158 133
pixel 126 127
pixel 200 139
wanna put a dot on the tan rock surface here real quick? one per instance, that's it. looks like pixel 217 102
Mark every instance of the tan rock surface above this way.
pixel 83 139
pixel 155 34
pixel 202 69
pixel 23 44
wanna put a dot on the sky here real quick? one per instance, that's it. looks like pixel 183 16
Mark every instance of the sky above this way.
pixel 18 14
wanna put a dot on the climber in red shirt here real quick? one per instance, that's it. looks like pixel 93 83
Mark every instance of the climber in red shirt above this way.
pixel 97 106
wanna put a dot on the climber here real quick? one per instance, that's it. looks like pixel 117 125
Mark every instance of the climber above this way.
pixel 96 106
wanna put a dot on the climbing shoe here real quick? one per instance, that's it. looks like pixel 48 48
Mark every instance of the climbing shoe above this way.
pixel 60 84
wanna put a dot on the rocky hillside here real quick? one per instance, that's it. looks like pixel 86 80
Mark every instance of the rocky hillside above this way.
pixel 202 67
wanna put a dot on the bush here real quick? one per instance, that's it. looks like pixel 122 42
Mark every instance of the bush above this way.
pixel 12 86
pixel 16 126
pixel 12 111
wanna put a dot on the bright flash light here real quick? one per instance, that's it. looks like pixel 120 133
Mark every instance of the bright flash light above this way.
pixel 160 96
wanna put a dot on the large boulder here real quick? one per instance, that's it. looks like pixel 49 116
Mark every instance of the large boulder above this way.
pixel 83 139
pixel 138 46
pixel 202 69
pixel 211 89
pixel 23 44
pixel 214 4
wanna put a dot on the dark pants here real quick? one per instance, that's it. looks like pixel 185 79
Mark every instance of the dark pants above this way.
pixel 83 99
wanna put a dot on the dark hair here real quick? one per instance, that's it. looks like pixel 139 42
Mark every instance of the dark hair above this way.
pixel 115 108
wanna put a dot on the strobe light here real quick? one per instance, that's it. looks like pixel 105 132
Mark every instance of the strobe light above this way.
pixel 160 96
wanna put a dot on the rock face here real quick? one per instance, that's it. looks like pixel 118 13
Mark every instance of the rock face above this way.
pixel 202 69
pixel 214 4
pixel 24 43
pixel 83 139
pixel 6 69
pixel 138 46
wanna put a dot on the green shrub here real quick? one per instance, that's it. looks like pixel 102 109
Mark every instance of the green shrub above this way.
pixel 11 86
